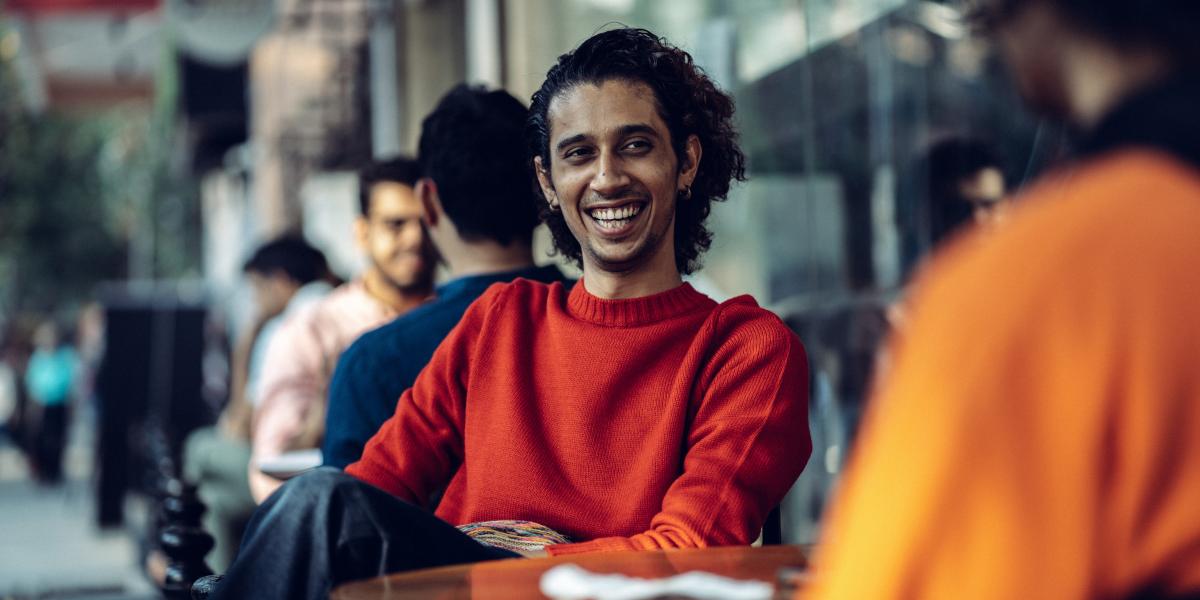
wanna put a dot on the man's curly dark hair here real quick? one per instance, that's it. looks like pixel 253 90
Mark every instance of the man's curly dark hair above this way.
pixel 688 102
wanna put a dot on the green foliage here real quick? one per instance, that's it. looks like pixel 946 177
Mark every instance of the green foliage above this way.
pixel 76 191
pixel 54 239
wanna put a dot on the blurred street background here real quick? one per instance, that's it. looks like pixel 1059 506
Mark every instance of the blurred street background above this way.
pixel 147 147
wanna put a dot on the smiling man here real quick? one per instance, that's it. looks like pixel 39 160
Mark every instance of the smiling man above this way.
pixel 301 356
pixel 628 413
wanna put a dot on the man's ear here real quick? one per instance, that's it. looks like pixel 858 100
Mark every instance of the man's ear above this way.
pixel 431 204
pixel 543 177
pixel 690 163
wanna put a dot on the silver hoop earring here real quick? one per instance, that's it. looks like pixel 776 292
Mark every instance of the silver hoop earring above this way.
pixel 686 192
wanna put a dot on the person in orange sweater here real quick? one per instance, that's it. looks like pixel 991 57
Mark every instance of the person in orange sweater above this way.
pixel 630 412
pixel 1039 433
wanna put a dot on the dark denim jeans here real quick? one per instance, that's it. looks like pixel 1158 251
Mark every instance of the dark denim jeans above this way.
pixel 325 528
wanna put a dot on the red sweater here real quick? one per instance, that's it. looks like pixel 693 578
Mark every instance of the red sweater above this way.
pixel 667 421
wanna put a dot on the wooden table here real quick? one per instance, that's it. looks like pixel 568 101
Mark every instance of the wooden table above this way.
pixel 518 578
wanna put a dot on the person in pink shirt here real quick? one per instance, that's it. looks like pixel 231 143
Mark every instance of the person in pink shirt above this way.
pixel 302 354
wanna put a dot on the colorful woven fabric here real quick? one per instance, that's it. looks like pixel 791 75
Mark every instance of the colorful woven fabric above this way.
pixel 516 536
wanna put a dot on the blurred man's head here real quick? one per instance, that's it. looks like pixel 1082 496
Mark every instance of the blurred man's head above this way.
pixel 280 267
pixel 631 144
pixel 966 185
pixel 389 227
pixel 1074 59
pixel 473 152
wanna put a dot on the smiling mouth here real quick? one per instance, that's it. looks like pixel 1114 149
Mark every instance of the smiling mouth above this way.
pixel 615 219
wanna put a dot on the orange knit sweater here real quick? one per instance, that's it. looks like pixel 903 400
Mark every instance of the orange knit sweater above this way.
pixel 667 421
pixel 1038 436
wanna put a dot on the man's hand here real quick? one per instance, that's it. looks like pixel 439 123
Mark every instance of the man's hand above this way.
pixel 261 484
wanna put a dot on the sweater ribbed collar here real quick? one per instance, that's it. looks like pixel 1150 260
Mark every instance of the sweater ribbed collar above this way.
pixel 630 312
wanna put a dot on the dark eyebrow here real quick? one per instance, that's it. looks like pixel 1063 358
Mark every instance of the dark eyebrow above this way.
pixel 623 131
pixel 563 143
pixel 627 130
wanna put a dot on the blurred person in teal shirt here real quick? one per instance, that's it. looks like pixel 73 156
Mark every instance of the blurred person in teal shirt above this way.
pixel 49 379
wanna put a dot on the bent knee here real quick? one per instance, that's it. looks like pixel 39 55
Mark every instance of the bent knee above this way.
pixel 314 485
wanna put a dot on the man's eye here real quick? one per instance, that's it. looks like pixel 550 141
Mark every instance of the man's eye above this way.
pixel 638 145
pixel 577 153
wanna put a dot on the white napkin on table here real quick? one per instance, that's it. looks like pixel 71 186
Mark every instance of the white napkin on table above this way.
pixel 572 582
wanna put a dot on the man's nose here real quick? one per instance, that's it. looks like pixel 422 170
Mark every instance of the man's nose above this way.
pixel 610 176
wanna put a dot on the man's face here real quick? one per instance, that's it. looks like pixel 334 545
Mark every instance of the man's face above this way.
pixel 985 192
pixel 614 174
pixel 394 239
pixel 1027 40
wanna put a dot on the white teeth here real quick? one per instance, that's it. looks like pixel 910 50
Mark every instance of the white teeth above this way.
pixel 610 214
pixel 614 225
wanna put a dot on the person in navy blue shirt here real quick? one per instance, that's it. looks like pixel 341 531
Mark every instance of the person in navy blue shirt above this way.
pixel 480 213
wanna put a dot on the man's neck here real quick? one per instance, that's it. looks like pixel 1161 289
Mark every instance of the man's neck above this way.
pixel 631 284
pixel 465 259
pixel 1098 78
pixel 400 300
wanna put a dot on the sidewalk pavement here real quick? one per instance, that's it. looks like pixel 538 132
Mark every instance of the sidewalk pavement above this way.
pixel 50 547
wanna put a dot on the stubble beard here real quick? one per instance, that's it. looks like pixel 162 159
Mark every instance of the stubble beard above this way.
pixel 420 282
pixel 641 256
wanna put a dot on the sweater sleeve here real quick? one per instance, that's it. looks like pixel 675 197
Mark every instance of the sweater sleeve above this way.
pixel 292 385
pixel 419 448
pixel 747 444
